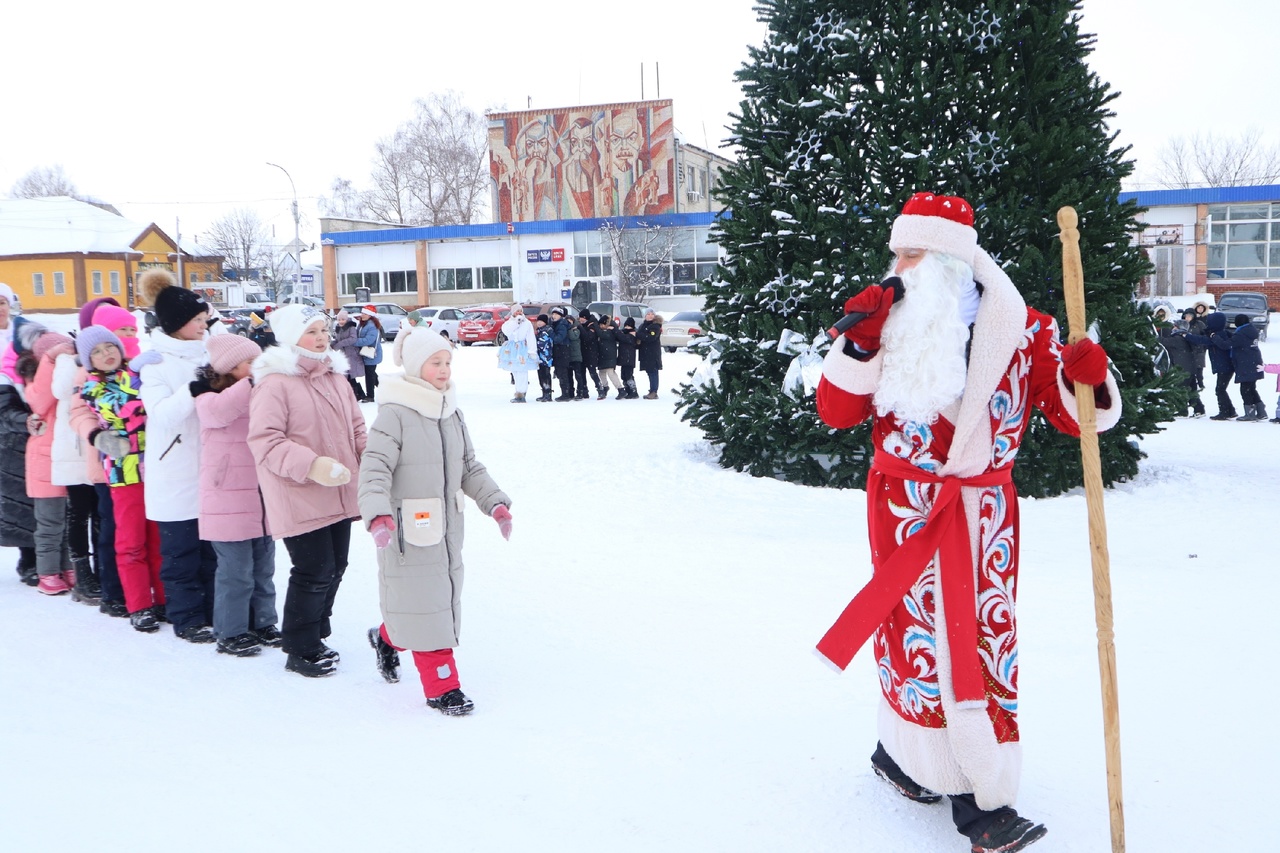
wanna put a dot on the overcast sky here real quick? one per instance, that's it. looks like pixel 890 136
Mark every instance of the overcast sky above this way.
pixel 172 110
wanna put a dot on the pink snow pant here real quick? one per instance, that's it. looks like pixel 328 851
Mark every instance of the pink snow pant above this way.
pixel 137 549
pixel 437 670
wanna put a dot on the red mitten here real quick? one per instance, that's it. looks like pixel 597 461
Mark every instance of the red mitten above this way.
pixel 874 301
pixel 502 515
pixel 382 528
pixel 1084 361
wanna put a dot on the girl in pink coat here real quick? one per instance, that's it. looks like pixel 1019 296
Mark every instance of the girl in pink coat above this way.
pixel 232 516
pixel 307 435
pixel 35 366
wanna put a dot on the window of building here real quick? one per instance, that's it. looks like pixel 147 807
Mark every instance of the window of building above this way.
pixel 403 281
pixel 115 281
pixel 37 283
pixel 97 282
pixel 59 283
pixel 208 276
pixel 352 280
pixel 495 278
pixel 1244 241
pixel 456 278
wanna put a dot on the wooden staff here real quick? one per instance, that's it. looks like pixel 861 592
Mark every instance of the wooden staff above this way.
pixel 1073 286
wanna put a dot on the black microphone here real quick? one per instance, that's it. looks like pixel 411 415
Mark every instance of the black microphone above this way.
pixel 848 321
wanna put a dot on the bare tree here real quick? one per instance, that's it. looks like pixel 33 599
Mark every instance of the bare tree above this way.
pixel 1208 160
pixel 241 238
pixel 43 182
pixel 641 257
pixel 345 201
pixel 430 171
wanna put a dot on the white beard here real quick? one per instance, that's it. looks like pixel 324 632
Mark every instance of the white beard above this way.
pixel 923 341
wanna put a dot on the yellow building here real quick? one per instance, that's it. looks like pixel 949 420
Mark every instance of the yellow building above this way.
pixel 58 253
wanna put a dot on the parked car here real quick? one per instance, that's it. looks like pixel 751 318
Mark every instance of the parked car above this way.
pixel 236 320
pixel 482 323
pixel 313 301
pixel 682 328
pixel 259 301
pixel 1250 303
pixel 533 309
pixel 619 311
pixel 390 315
pixel 443 320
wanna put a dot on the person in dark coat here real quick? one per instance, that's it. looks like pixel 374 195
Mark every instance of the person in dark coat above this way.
pixel 627 345
pixel 1192 322
pixel 590 341
pixel 649 336
pixel 1218 343
pixel 17 511
pixel 1174 341
pixel 576 365
pixel 345 335
pixel 607 337
pixel 560 354
pixel 1246 357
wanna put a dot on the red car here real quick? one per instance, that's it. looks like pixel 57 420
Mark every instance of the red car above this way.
pixel 482 324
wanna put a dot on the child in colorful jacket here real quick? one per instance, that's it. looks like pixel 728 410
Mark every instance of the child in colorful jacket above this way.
pixel 113 394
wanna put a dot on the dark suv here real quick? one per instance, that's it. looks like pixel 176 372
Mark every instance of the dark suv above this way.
pixel 1249 303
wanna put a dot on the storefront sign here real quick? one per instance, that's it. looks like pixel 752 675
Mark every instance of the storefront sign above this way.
pixel 536 256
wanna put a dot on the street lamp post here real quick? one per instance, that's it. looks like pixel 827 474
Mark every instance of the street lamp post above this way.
pixel 297 243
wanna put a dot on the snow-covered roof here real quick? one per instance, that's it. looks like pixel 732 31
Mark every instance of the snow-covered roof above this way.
pixel 59 225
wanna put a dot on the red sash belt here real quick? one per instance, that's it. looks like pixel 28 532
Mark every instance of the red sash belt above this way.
pixel 946 533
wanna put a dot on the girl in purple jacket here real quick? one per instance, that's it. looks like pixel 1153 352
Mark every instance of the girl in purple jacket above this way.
pixel 233 517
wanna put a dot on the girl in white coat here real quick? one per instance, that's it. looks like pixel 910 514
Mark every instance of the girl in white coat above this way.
pixel 173 451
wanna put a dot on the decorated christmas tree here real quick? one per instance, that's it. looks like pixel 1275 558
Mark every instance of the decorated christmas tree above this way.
pixel 849 107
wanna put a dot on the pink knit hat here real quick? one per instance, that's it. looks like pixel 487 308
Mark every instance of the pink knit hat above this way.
pixel 226 351
pixel 114 317
pixel 938 223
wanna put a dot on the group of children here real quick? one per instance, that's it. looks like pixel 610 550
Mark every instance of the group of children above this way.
pixel 201 451
pixel 1233 354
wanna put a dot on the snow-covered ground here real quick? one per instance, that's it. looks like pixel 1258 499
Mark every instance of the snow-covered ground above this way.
pixel 640 655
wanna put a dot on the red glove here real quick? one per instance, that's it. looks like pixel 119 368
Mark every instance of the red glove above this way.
pixel 874 301
pixel 382 528
pixel 502 515
pixel 1084 361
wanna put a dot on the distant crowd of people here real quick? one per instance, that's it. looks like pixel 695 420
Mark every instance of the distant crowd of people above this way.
pixel 1233 355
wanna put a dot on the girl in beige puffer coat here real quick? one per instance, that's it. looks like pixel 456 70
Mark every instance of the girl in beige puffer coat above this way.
pixel 417 466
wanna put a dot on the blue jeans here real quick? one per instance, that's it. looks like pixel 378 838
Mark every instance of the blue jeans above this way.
pixel 187 567
pixel 244 588
pixel 105 547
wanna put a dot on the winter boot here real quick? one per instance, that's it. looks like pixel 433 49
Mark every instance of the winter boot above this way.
pixel 1261 411
pixel 329 654
pixel 113 608
pixel 311 666
pixel 632 393
pixel 652 395
pixel 546 396
pixel 27 566
pixel 240 646
pixel 52 585
pixel 84 586
pixel 268 636
pixel 1251 414
pixel 452 704
pixel 388 659
pixel 144 620
pixel 1008 833
pixel 602 392
pixel 159 612
pixel 888 770
pixel 198 634
pixel 1224 415
pixel 564 398
pixel 519 398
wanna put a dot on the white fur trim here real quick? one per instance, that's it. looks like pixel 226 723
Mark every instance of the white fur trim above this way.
pixel 418 396
pixel 1001 323
pixel 1106 418
pixel 284 360
pixel 935 233
pixel 850 374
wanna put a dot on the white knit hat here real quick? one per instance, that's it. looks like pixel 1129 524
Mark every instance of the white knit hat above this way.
pixel 288 323
pixel 938 223
pixel 418 346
